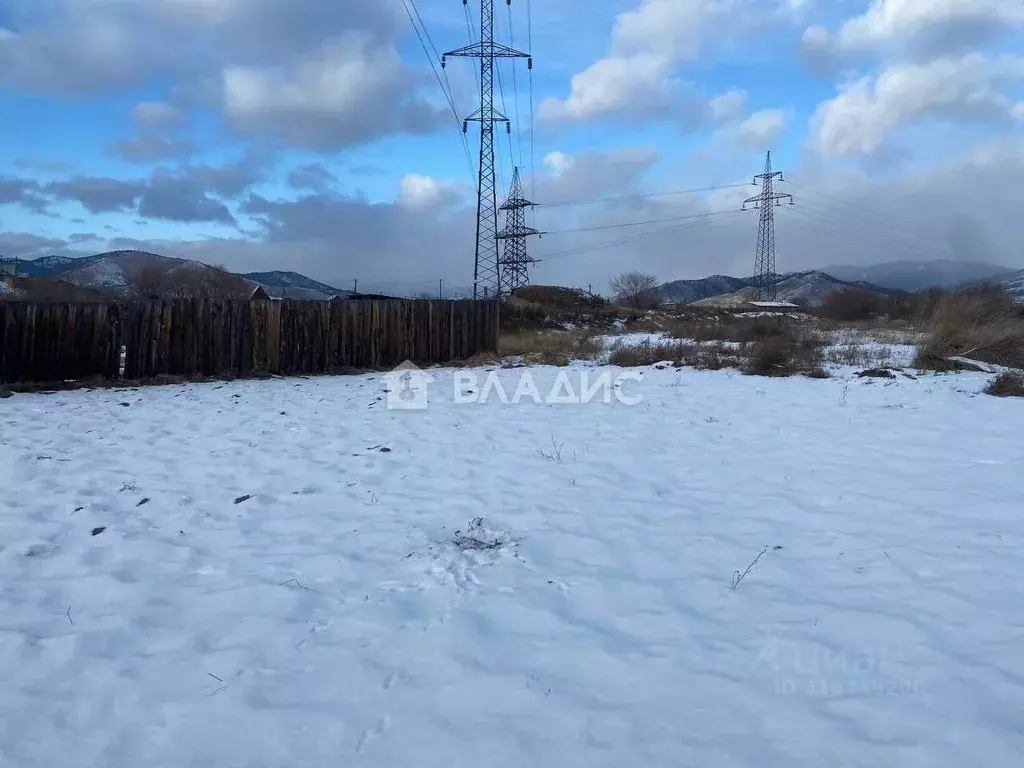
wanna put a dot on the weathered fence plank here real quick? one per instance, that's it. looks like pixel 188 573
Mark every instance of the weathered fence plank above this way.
pixel 47 343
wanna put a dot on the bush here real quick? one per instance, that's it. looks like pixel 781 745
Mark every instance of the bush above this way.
pixel 852 304
pixel 982 324
pixel 781 356
pixel 1008 384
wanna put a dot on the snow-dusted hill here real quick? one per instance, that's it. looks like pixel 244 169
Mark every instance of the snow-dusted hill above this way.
pixel 812 287
pixel 292 285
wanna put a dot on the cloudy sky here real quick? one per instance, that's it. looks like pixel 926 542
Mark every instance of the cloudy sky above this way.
pixel 313 134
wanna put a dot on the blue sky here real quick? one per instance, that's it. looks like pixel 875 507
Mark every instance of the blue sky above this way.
pixel 312 135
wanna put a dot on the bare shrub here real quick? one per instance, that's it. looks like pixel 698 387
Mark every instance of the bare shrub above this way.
pixel 784 356
pixel 852 304
pixel 980 324
pixel 1007 384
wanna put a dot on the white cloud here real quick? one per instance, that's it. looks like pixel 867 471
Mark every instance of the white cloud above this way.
pixel 417 192
pixel 930 26
pixel 636 78
pixel 728 106
pixel 868 111
pixel 635 84
pixel 558 162
pixel 347 92
pixel 762 129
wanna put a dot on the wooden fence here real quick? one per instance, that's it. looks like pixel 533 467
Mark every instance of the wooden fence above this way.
pixel 49 343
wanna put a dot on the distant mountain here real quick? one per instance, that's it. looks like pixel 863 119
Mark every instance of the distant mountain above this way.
pixel 919 275
pixel 122 272
pixel 811 287
pixel 293 285
pixel 689 291
pixel 45 266
pixel 139 273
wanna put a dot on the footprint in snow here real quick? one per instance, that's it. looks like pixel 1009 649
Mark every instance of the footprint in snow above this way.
pixel 372 733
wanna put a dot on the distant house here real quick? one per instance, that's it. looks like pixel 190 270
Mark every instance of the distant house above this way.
pixel 259 293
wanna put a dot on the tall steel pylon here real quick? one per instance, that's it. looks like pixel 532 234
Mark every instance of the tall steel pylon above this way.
pixel 765 277
pixel 515 263
pixel 486 269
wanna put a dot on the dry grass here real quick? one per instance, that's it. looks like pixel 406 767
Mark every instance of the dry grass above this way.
pixel 981 327
pixel 1008 384
pixel 704 357
pixel 549 347
pixel 860 355
pixel 765 349
pixel 785 355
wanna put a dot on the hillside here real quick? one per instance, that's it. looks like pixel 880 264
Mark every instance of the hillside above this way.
pixel 918 275
pixel 689 291
pixel 810 287
pixel 294 285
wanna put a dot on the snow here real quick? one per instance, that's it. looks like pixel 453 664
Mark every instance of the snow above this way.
pixel 328 619
pixel 633 339
pixel 104 273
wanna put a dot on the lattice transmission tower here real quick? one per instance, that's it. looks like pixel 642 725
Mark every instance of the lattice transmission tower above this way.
pixel 486 268
pixel 765 276
pixel 516 261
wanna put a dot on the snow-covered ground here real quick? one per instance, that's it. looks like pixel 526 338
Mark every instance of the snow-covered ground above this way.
pixel 269 586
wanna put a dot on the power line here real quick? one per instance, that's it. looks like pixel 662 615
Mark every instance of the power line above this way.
pixel 515 83
pixel 430 59
pixel 811 218
pixel 711 217
pixel 851 204
pixel 907 242
pixel 533 153
pixel 504 108
pixel 637 223
pixel 645 196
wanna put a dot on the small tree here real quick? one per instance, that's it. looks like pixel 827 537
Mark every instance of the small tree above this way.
pixel 635 289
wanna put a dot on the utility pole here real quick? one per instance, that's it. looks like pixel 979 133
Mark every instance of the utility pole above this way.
pixel 486 269
pixel 515 263
pixel 440 288
pixel 765 277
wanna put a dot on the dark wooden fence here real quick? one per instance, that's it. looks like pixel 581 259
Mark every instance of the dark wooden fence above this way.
pixel 189 337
